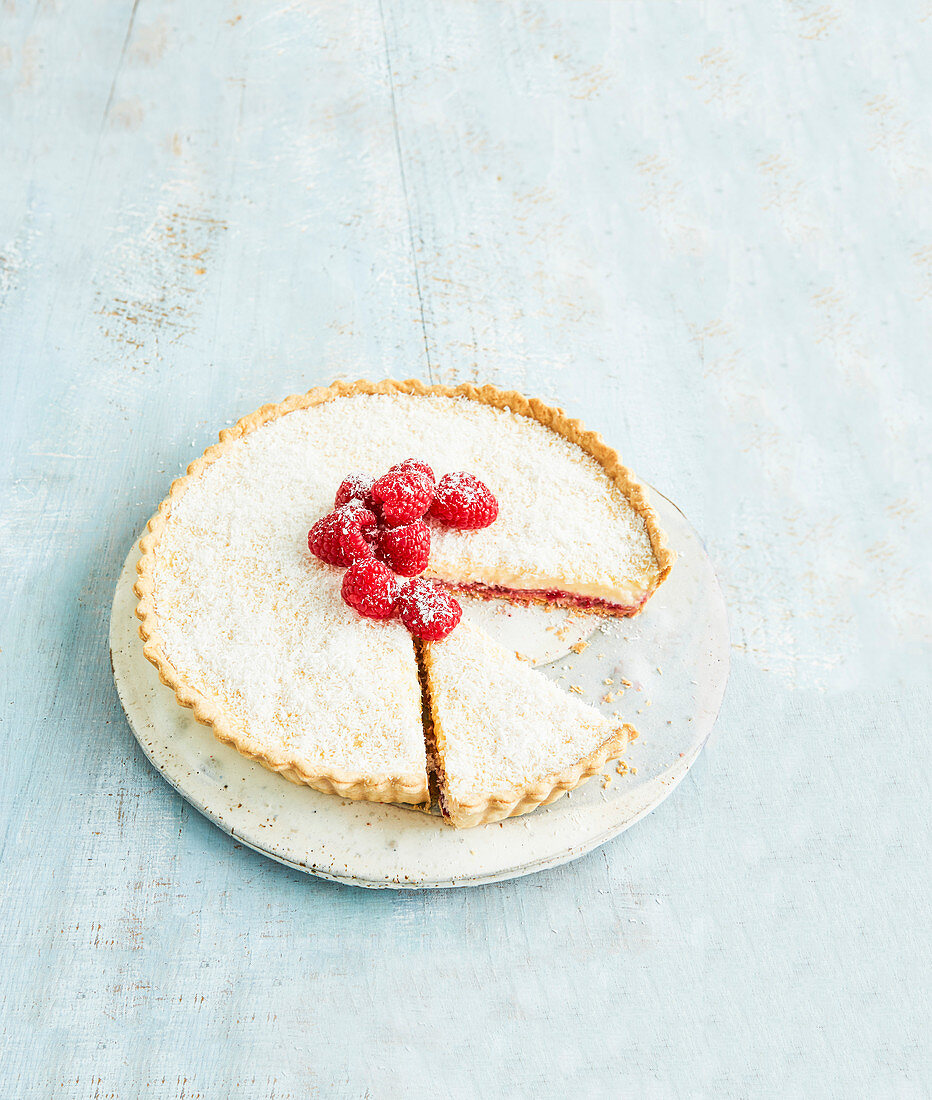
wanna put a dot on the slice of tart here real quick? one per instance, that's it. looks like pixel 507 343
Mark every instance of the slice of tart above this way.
pixel 504 738
pixel 253 635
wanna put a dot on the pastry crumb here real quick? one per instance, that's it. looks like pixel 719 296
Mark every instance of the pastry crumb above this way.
pixel 621 767
pixel 579 647
pixel 627 683
pixel 608 680
pixel 606 781
pixel 608 697
pixel 576 688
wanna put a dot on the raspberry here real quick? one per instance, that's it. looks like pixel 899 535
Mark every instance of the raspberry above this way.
pixel 464 501
pixel 371 535
pixel 371 588
pixel 406 549
pixel 338 538
pixel 354 487
pixel 428 610
pixel 416 464
pixel 403 495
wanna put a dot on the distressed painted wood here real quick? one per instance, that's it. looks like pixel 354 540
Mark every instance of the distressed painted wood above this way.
pixel 705 229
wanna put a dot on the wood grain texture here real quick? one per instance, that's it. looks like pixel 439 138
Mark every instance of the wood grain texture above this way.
pixel 703 228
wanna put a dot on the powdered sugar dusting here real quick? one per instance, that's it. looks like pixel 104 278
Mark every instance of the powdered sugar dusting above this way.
pixel 428 599
pixel 502 724
pixel 465 486
pixel 251 619
pixel 561 523
pixel 258 624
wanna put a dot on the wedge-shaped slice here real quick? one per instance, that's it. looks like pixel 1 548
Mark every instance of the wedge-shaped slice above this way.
pixel 505 739
pixel 282 669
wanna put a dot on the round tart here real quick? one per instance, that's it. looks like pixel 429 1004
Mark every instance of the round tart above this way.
pixel 250 631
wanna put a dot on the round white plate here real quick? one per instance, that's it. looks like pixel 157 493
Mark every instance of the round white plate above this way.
pixel 674 655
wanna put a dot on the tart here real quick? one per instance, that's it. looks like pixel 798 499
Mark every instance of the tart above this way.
pixel 248 628
pixel 503 738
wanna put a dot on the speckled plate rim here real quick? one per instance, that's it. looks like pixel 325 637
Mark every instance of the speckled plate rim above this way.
pixel 127 661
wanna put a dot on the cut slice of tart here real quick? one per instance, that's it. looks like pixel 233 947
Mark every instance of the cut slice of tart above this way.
pixel 255 638
pixel 503 738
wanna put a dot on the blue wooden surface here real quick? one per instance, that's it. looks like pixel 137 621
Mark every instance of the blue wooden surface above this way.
pixel 704 228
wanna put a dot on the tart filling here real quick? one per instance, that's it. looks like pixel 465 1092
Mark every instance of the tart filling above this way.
pixel 551 596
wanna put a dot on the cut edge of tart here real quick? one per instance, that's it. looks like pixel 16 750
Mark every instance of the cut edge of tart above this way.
pixel 495 727
pixel 351 783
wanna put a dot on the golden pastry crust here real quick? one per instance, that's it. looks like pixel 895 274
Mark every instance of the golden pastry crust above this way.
pixel 341 782
pixel 464 815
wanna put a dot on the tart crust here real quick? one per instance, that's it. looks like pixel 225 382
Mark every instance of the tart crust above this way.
pixel 465 815
pixel 356 785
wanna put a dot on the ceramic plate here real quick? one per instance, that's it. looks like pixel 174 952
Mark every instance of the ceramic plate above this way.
pixel 667 667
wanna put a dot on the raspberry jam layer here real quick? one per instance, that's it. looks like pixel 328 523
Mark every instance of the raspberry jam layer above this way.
pixel 550 595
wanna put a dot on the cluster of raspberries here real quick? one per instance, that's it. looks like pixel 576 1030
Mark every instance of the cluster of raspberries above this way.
pixel 378 529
